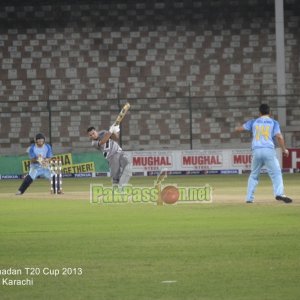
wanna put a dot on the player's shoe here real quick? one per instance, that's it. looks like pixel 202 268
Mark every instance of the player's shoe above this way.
pixel 284 198
pixel 249 201
pixel 19 193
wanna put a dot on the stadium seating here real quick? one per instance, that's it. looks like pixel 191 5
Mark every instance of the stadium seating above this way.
pixel 215 59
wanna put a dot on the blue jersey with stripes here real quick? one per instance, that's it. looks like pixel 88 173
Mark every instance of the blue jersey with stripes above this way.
pixel 264 130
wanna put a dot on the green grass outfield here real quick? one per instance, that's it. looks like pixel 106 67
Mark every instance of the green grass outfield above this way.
pixel 223 250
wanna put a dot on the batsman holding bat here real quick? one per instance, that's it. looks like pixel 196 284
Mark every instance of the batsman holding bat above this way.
pixel 106 142
pixel 40 155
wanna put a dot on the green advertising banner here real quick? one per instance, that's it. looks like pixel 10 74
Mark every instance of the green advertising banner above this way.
pixel 72 163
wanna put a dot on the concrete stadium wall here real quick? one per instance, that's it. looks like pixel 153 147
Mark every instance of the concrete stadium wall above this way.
pixel 184 65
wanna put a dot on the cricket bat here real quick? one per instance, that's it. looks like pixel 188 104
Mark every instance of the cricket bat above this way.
pixel 122 114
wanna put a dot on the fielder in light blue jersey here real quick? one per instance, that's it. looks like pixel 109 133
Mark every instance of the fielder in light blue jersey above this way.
pixel 40 155
pixel 265 131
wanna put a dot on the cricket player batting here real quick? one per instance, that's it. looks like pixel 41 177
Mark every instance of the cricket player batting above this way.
pixel 106 142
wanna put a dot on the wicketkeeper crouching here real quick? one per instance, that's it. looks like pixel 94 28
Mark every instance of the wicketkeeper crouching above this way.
pixel 40 155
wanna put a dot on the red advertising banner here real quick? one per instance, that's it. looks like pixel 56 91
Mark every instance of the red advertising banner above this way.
pixel 241 159
pixel 293 161
pixel 205 160
pixel 194 160
pixel 152 160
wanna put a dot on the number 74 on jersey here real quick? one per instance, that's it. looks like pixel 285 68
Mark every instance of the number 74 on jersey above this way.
pixel 262 131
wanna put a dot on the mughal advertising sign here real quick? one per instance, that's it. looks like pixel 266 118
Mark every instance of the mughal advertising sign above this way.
pixel 203 160
pixel 189 160
pixel 180 160
pixel 152 160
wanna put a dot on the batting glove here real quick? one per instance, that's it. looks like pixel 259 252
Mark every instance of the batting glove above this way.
pixel 114 129
pixel 111 129
pixel 117 129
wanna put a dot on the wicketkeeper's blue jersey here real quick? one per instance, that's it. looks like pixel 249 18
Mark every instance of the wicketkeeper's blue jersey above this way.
pixel 45 151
